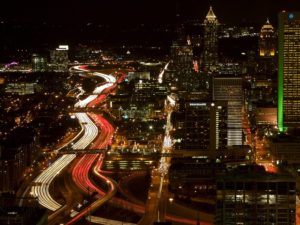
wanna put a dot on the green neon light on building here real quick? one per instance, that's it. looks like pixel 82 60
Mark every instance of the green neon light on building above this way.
pixel 280 74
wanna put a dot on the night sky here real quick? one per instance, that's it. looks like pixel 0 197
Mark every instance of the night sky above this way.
pixel 142 11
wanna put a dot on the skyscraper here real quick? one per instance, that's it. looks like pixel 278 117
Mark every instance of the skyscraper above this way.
pixel 182 63
pixel 59 58
pixel 201 126
pixel 182 59
pixel 267 40
pixel 230 89
pixel 210 41
pixel 289 70
pixel 39 63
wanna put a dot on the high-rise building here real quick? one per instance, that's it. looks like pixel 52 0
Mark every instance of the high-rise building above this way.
pixel 230 89
pixel 289 70
pixel 182 60
pixel 250 195
pixel 201 126
pixel 211 25
pixel 267 40
pixel 39 63
pixel 59 58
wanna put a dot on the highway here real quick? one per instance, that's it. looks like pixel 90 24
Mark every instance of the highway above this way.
pixel 161 75
pixel 103 221
pixel 83 103
pixel 109 82
pixel 91 208
pixel 80 173
pixel 41 185
pixel 56 150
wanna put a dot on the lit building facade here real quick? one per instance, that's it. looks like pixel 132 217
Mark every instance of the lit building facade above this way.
pixel 201 126
pixel 59 58
pixel 230 89
pixel 267 40
pixel 20 88
pixel 289 70
pixel 211 25
pixel 182 63
pixel 183 78
pixel 39 63
pixel 250 195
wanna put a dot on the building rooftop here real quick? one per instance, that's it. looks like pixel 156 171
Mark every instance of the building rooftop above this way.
pixel 255 173
pixel 267 27
pixel 286 138
pixel 211 17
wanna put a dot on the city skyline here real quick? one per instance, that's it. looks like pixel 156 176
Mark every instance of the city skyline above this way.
pixel 150 112
pixel 147 11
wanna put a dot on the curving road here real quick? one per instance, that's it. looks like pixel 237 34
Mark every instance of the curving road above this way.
pixel 80 173
pixel 41 185
pixel 41 188
pixel 112 191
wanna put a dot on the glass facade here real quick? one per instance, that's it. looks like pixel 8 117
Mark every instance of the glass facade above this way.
pixel 230 89
pixel 289 70
pixel 202 126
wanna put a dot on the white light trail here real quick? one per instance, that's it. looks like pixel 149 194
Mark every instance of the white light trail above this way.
pixel 160 76
pixel 42 183
pixel 41 188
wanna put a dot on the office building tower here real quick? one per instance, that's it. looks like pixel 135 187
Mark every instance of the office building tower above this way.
pixel 39 63
pixel 267 40
pixel 289 71
pixel 201 126
pixel 182 60
pixel 211 25
pixel 59 58
pixel 250 195
pixel 230 89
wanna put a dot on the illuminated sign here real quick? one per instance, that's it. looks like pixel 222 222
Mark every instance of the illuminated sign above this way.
pixel 63 47
pixel 197 104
